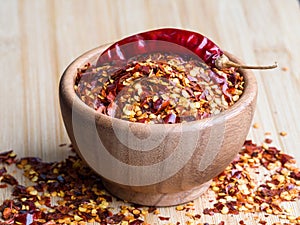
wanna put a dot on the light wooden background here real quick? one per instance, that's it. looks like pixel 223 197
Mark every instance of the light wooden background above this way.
pixel 39 38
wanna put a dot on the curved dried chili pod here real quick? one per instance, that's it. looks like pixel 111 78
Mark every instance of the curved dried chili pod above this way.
pixel 171 40
pixel 159 40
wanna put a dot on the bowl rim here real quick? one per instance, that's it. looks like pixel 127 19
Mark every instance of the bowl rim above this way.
pixel 68 94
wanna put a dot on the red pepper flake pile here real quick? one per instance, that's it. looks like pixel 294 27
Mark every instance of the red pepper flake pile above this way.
pixel 240 188
pixel 66 192
pixel 260 179
pixel 159 88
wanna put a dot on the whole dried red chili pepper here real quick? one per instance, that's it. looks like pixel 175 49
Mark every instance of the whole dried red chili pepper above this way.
pixel 171 40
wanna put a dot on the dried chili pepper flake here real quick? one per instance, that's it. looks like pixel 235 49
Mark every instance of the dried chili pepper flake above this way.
pixel 283 133
pixel 3 186
pixel 117 218
pixel 164 218
pixel 2 171
pixel 268 140
pixel 136 222
pixel 7 213
pixel 7 157
pixel 9 179
pixel 295 175
pixel 151 209
pixel 62 145
pixel 180 207
pixel 208 211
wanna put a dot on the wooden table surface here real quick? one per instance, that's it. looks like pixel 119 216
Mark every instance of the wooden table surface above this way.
pixel 39 38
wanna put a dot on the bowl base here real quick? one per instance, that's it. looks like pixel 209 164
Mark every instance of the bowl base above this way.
pixel 156 199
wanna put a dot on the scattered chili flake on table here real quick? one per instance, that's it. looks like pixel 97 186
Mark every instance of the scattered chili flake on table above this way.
pixel 256 125
pixel 7 157
pixel 283 133
pixel 164 218
pixel 69 192
pixel 159 88
pixel 240 188
pixel 66 192
pixel 268 140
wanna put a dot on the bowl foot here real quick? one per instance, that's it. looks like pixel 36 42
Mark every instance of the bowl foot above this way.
pixel 156 199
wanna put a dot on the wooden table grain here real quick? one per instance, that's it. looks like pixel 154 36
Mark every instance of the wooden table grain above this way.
pixel 39 38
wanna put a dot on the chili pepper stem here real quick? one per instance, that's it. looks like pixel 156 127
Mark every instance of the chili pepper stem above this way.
pixel 223 62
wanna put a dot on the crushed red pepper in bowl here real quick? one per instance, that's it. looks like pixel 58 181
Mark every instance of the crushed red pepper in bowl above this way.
pixel 161 76
pixel 159 88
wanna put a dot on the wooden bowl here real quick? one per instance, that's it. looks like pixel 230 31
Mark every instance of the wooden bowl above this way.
pixel 158 164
